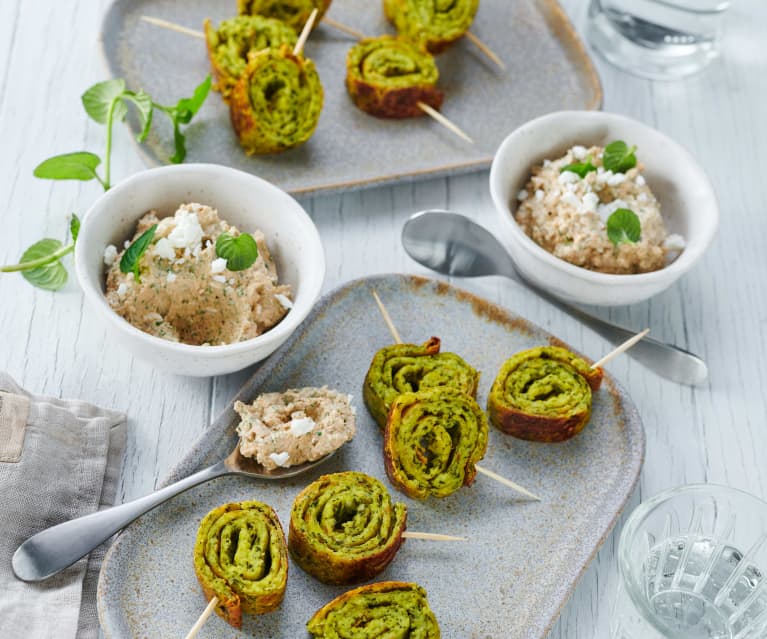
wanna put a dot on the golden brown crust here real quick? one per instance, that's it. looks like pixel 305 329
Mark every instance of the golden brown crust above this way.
pixel 393 103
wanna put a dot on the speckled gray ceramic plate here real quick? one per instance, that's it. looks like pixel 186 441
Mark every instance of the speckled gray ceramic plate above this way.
pixel 523 559
pixel 548 70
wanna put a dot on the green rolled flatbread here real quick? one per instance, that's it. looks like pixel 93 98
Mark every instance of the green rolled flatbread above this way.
pixel 434 24
pixel 433 440
pixel 388 76
pixel 240 557
pixel 276 103
pixel 386 610
pixel 344 528
pixel 294 13
pixel 543 394
pixel 235 38
pixel 405 368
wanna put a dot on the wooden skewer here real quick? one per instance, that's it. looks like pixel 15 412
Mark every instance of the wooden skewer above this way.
pixel 342 27
pixel 488 473
pixel 299 48
pixel 486 50
pixel 443 121
pixel 620 349
pixel 432 536
pixel 203 618
pixel 172 26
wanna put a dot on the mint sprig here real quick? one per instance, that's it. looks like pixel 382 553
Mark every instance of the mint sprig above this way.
pixel 582 169
pixel 618 157
pixel 240 252
pixel 624 227
pixel 130 262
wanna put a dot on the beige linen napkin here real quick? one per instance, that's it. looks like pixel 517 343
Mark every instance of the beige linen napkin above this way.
pixel 59 459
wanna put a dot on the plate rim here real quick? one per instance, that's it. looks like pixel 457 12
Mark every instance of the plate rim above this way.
pixel 633 424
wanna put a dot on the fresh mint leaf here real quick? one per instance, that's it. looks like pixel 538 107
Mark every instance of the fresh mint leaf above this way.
pixel 618 157
pixel 50 276
pixel 99 98
pixel 182 113
pixel 144 107
pixel 582 169
pixel 240 252
pixel 74 227
pixel 131 259
pixel 623 227
pixel 80 165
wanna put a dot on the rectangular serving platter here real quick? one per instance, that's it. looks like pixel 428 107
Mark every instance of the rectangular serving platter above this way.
pixel 522 560
pixel 548 69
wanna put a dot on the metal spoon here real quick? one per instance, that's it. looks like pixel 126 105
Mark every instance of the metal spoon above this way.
pixel 452 244
pixel 54 549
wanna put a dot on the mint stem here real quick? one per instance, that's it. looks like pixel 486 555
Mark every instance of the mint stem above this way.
pixel 108 154
pixel 41 261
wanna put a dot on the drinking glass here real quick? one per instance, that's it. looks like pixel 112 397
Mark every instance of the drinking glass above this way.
pixel 662 39
pixel 691 564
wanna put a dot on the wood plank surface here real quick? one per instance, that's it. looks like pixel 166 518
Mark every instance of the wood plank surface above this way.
pixel 52 343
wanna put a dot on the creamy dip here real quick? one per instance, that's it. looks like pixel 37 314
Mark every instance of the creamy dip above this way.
pixel 186 293
pixel 299 425
pixel 567 215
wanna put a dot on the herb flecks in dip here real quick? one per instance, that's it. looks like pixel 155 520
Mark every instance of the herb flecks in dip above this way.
pixel 185 293
pixel 290 428
pixel 565 206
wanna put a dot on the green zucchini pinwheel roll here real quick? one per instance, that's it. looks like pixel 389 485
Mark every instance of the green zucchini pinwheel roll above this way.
pixel 292 12
pixel 386 610
pixel 543 394
pixel 230 44
pixel 434 24
pixel 344 528
pixel 404 368
pixel 432 441
pixel 277 101
pixel 387 77
pixel 240 557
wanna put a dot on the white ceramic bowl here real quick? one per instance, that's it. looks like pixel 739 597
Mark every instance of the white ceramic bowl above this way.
pixel 247 202
pixel 687 199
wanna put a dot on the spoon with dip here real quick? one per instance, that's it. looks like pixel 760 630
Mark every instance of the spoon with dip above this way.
pixel 452 244
pixel 54 549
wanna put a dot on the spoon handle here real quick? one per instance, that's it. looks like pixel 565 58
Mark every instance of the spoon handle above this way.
pixel 54 549
pixel 666 360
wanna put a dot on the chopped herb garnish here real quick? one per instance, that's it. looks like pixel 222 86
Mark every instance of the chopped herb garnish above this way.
pixel 623 227
pixel 582 169
pixel 618 157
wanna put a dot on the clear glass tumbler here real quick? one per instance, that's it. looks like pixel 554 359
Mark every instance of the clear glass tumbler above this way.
pixel 662 39
pixel 691 564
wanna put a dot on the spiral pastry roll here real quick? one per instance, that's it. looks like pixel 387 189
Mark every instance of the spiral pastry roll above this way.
pixel 230 44
pixel 432 441
pixel 292 12
pixel 433 24
pixel 543 394
pixel 386 610
pixel 344 528
pixel 387 77
pixel 406 368
pixel 276 103
pixel 240 557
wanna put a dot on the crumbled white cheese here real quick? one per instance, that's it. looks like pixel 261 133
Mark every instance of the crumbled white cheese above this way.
pixel 606 210
pixel 110 254
pixel 603 176
pixel 547 163
pixel 171 277
pixel 579 152
pixel 231 281
pixel 590 201
pixel 280 459
pixel 126 243
pixel 642 197
pixel 674 242
pixel 164 250
pixel 220 278
pixel 301 426
pixel 130 275
pixel 522 195
pixel 640 181
pixel 539 194
pixel 284 300
pixel 218 265
pixel 567 177
pixel 187 233
pixel 572 199
pixel 615 180
pixel 122 289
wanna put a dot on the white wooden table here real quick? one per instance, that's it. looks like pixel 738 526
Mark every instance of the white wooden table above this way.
pixel 52 344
